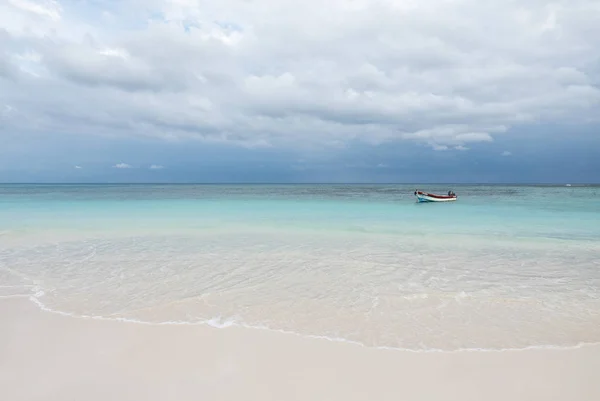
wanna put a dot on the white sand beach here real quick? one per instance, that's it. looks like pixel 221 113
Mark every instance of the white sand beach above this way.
pixel 47 356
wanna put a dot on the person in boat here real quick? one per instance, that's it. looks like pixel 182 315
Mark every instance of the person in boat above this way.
pixel 450 193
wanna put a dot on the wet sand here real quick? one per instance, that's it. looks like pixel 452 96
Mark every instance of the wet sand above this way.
pixel 46 356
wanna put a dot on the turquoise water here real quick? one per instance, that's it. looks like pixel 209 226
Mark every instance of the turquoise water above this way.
pixel 503 267
pixel 570 213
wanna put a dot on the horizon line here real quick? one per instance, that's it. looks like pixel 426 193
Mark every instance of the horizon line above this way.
pixel 300 183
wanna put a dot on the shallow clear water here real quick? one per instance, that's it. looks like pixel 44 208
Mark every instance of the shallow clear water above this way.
pixel 503 267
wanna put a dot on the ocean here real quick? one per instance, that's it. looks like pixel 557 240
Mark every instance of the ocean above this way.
pixel 504 267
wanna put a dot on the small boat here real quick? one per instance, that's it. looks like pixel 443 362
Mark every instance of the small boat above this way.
pixel 426 197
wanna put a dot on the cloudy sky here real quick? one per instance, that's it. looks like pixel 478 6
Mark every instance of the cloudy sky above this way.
pixel 300 91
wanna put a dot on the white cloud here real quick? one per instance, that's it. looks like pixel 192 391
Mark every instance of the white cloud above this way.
pixel 77 167
pixel 122 165
pixel 45 8
pixel 267 73
pixel 6 110
pixel 506 153
pixel 156 167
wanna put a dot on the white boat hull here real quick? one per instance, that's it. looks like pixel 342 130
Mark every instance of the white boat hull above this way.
pixel 422 197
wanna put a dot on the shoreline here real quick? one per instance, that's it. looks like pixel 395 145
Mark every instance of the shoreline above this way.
pixel 49 356
pixel 232 324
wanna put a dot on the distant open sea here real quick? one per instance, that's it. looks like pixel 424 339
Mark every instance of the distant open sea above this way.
pixel 504 267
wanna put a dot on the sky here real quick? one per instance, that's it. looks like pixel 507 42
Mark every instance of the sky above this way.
pixel 300 91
